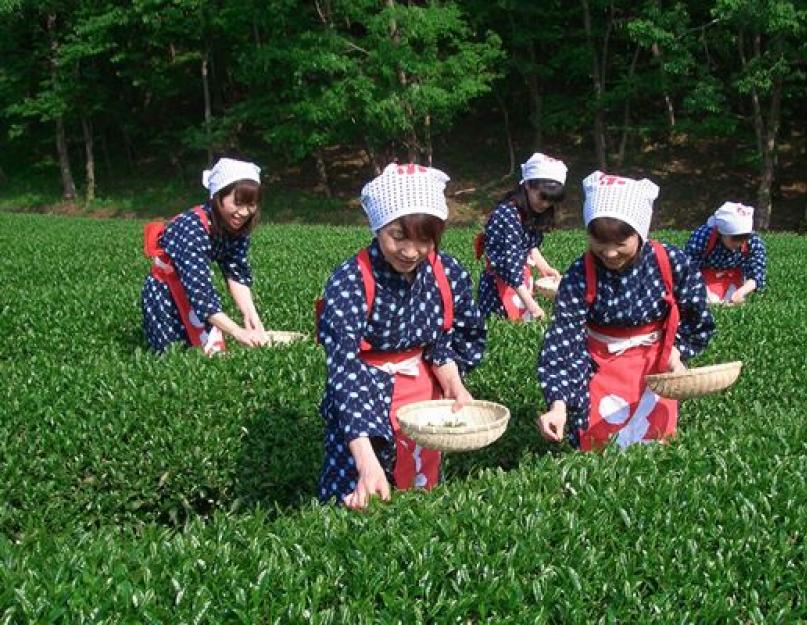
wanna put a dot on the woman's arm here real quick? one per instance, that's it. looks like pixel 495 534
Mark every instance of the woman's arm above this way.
pixel 242 296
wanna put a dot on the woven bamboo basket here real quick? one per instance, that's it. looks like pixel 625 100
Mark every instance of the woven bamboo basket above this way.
pixel 695 382
pixel 547 286
pixel 281 337
pixel 432 425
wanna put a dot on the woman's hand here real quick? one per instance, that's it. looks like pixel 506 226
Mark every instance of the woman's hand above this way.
pixel 674 364
pixel 250 338
pixel 535 310
pixel 550 272
pixel 551 423
pixel 448 376
pixel 253 322
pixel 372 479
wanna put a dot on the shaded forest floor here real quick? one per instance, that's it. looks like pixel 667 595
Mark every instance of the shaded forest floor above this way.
pixel 695 177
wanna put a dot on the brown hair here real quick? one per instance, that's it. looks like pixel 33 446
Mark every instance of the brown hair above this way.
pixel 610 230
pixel 422 227
pixel 739 238
pixel 246 192
pixel 550 190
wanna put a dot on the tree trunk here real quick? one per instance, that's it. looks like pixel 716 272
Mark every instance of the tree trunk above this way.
pixel 3 177
pixel 536 100
pixel 208 115
pixel 68 184
pixel 511 151
pixel 620 157
pixel 86 127
pixel 668 103
pixel 428 147
pixel 411 141
pixel 371 156
pixel 770 147
pixel 322 173
pixel 596 75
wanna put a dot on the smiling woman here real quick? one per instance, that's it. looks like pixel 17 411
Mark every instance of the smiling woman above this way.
pixel 399 325
pixel 178 300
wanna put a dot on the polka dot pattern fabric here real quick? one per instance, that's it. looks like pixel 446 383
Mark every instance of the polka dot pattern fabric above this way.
pixel 507 246
pixel 192 250
pixel 753 265
pixel 625 199
pixel 404 190
pixel 404 316
pixel 629 299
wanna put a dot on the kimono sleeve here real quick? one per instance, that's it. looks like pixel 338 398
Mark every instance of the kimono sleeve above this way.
pixel 697 324
pixel 187 243
pixel 464 343
pixel 503 245
pixel 235 265
pixel 565 366
pixel 357 396
pixel 756 261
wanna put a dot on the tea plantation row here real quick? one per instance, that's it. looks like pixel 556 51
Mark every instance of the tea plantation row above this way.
pixel 179 489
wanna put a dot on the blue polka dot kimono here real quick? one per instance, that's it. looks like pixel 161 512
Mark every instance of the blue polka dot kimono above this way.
pixel 191 250
pixel 507 246
pixel 628 299
pixel 753 264
pixel 404 316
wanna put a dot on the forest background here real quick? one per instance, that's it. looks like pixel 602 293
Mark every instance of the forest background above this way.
pixel 112 107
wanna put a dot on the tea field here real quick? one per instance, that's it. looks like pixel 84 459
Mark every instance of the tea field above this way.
pixel 180 489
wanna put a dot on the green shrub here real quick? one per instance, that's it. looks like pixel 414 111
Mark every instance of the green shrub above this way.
pixel 136 488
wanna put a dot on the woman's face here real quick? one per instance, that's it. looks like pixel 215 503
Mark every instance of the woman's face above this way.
pixel 235 215
pixel 402 253
pixel 538 203
pixel 733 243
pixel 616 256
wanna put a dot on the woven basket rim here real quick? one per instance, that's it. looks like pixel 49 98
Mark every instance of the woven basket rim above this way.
pixel 696 371
pixel 285 334
pixel 466 429
pixel 547 282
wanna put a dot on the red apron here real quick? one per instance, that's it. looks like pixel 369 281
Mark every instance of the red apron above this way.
pixel 413 380
pixel 721 283
pixel 162 268
pixel 415 467
pixel 514 308
pixel 621 405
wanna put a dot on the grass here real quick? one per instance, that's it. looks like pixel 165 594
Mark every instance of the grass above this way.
pixel 180 489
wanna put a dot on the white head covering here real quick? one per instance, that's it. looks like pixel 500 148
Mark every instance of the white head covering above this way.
pixel 733 218
pixel 227 171
pixel 404 190
pixel 541 166
pixel 625 199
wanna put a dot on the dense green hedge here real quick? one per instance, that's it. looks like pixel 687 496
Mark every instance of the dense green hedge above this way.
pixel 178 489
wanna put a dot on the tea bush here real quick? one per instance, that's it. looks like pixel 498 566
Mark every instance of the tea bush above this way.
pixel 136 488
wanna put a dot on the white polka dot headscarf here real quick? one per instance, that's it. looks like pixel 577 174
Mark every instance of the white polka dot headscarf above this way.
pixel 733 218
pixel 404 190
pixel 543 167
pixel 227 171
pixel 621 198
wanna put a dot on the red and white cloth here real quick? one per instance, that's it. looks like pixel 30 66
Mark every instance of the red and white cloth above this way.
pixel 620 198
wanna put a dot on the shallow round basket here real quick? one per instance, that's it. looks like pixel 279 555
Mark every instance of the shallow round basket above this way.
pixel 695 382
pixel 281 337
pixel 432 425
pixel 547 286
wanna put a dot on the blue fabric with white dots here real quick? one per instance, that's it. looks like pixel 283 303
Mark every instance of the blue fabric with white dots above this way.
pixel 191 250
pixel 507 246
pixel 404 316
pixel 753 264
pixel 632 298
